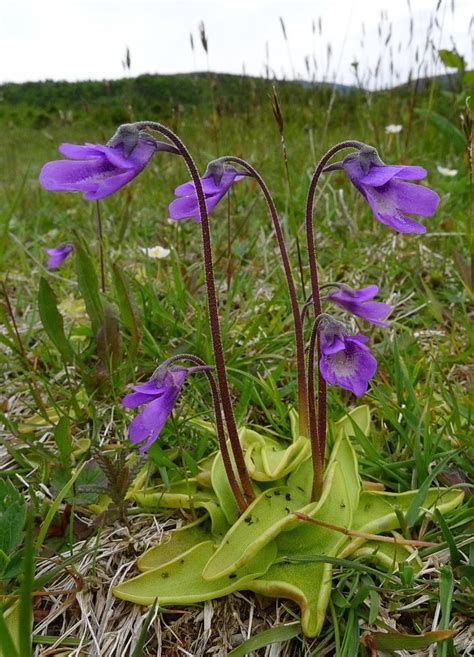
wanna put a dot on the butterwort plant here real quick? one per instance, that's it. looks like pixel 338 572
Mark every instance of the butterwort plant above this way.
pixel 335 355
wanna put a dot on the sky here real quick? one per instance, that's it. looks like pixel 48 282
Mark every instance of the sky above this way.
pixel 87 39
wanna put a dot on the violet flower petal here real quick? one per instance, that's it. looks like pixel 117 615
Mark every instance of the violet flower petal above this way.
pixel 158 397
pixel 389 197
pixel 79 151
pixel 186 206
pixel 415 199
pixel 358 303
pixel 384 207
pixel 59 254
pixel 101 171
pixel 209 185
pixel 380 175
pixel 332 346
pixel 351 368
pixel 151 420
pixel 109 185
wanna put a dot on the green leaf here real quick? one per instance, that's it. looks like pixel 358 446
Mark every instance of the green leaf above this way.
pixel 357 419
pixel 262 521
pixel 12 518
pixel 62 436
pixel 140 645
pixel 222 489
pixel 276 634
pixel 387 555
pixel 452 59
pixel 53 322
pixel 26 592
pixel 444 125
pixel 176 544
pixel 267 460
pixel 180 582
pixel 413 511
pixel 376 512
pixel 89 286
pixel 55 506
pixel 468 79
pixel 185 494
pixel 446 592
pixel 108 337
pixel 128 311
pixel 309 583
pixel 392 641
pixel 10 631
pixel 449 538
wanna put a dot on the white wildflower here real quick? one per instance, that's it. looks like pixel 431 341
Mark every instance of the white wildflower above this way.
pixel 444 171
pixel 393 129
pixel 156 252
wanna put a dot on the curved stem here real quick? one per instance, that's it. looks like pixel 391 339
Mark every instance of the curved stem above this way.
pixel 318 429
pixel 239 498
pixel 298 324
pixel 317 446
pixel 212 306
pixel 309 300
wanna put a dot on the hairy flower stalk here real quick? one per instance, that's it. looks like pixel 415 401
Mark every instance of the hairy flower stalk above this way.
pixel 298 324
pixel 212 303
pixel 318 426
pixel 345 360
pixel 220 431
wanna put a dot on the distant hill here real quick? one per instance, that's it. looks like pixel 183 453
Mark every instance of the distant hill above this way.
pixel 40 103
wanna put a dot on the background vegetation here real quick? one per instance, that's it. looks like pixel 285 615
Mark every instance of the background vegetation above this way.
pixel 71 343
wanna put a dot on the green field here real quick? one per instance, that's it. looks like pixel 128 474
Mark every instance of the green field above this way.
pixel 61 545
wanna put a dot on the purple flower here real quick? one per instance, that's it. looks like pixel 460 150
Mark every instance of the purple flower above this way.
pixel 358 303
pixel 215 188
pixel 159 395
pixel 59 254
pixel 345 361
pixel 389 197
pixel 97 170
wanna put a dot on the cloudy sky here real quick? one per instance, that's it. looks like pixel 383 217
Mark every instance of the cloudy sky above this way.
pixel 87 39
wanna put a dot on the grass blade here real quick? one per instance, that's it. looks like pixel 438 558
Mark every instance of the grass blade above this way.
pixel 138 650
pixel 52 321
pixel 273 635
pixel 25 612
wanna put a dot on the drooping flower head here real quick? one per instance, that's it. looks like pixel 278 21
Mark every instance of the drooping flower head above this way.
pixel 158 396
pixel 358 302
pixel 59 254
pixel 216 182
pixel 389 196
pixel 345 361
pixel 97 170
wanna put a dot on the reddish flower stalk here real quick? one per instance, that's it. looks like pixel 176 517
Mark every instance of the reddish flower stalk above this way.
pixel 298 324
pixel 239 497
pixel 212 307
pixel 317 424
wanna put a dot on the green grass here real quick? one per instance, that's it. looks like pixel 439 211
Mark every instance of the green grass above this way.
pixel 419 397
